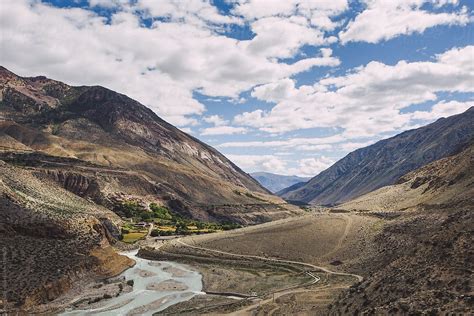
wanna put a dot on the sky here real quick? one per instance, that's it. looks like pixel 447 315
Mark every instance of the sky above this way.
pixel 283 86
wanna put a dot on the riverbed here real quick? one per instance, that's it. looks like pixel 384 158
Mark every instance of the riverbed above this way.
pixel 157 285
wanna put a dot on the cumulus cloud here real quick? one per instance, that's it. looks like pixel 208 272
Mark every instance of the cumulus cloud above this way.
pixel 223 130
pixel 160 65
pixel 286 143
pixel 442 109
pixel 366 101
pixel 307 167
pixel 383 20
pixel 216 120
pixel 319 13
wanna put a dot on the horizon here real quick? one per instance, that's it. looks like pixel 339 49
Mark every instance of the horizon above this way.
pixel 291 104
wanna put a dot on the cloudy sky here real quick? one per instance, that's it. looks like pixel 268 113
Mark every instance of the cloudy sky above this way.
pixel 286 86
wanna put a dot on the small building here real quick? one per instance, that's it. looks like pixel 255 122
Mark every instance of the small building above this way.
pixel 141 224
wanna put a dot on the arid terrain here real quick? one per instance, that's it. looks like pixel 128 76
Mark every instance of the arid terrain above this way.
pixel 87 172
pixel 292 266
pixel 73 159
pixel 417 258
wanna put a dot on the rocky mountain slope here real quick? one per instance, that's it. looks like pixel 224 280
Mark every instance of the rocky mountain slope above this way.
pixel 139 155
pixel 276 182
pixel 446 181
pixel 384 162
pixel 424 254
pixel 71 156
pixel 50 238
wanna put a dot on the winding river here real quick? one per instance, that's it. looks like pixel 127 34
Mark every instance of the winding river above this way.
pixel 157 285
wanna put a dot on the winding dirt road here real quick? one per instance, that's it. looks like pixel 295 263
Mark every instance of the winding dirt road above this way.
pixel 276 295
pixel 304 264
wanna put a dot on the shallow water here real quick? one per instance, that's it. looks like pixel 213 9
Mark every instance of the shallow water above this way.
pixel 142 301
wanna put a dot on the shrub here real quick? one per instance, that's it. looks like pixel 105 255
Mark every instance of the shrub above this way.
pixel 160 211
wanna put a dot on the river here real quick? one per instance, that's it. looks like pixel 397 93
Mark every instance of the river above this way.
pixel 157 285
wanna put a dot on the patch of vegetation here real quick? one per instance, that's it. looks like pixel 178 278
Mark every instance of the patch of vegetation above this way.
pixel 133 237
pixel 55 129
pixel 160 212
pixel 133 209
pixel 305 208
pixel 166 222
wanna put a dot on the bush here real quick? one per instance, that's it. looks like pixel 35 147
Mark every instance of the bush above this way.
pixel 130 282
pixel 160 211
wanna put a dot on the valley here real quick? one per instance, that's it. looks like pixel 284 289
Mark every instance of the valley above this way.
pixel 102 201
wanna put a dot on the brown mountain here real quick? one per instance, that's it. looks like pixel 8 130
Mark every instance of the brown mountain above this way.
pixel 70 156
pixel 446 181
pixel 384 162
pixel 138 154
pixel 422 259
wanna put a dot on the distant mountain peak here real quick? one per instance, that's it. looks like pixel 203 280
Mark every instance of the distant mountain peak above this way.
pixel 277 182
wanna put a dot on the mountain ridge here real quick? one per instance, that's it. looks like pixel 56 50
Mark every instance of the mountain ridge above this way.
pixel 276 182
pixel 382 163
pixel 98 125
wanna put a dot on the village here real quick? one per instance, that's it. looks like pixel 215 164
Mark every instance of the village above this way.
pixel 158 221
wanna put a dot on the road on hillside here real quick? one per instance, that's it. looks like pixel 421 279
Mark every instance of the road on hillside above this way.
pixel 309 265
pixel 293 290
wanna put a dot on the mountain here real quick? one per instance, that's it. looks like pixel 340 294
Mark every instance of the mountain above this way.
pixel 276 182
pixel 139 155
pixel 445 181
pixel 72 157
pixel 50 238
pixel 384 162
pixel 426 243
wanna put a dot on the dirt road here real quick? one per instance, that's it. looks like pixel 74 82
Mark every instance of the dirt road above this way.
pixel 304 264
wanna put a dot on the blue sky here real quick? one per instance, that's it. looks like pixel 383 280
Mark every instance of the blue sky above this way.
pixel 282 86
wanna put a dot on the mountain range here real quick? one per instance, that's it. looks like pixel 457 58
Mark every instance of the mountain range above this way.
pixel 139 155
pixel 276 182
pixel 383 163
pixel 70 157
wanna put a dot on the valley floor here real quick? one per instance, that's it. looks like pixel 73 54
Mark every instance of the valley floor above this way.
pixel 330 262
pixel 299 265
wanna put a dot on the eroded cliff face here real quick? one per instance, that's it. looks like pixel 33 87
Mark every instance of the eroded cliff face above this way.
pixel 50 238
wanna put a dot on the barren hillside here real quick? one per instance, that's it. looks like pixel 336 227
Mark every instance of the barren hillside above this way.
pixel 446 181
pixel 383 163
pixel 154 159
pixel 50 237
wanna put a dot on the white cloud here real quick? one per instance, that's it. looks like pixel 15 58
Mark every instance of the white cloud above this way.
pixel 286 143
pixel 108 3
pixel 189 11
pixel 383 20
pixel 160 66
pixel 442 109
pixel 307 167
pixel 351 146
pixel 282 37
pixel 313 166
pixel 366 101
pixel 216 120
pixel 318 12
pixel 223 130
pixel 187 130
